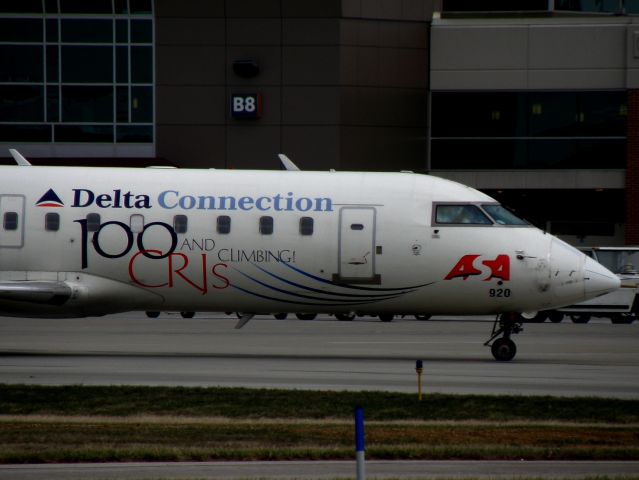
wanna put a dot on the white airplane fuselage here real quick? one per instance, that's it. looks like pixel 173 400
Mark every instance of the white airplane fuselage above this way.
pixel 340 242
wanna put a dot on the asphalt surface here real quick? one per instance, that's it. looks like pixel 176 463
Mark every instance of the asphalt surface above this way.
pixel 320 470
pixel 565 359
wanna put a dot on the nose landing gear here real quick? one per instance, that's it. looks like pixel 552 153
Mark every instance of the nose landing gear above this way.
pixel 506 324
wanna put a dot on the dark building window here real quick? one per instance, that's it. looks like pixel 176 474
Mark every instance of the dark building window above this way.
pixel 80 72
pixel 512 130
pixel 52 222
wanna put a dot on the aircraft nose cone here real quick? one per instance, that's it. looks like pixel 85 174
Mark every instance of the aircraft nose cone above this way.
pixel 598 279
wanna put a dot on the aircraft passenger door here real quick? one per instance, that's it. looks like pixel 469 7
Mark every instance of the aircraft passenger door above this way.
pixel 11 221
pixel 357 245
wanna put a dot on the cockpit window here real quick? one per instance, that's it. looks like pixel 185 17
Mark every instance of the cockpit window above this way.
pixel 461 214
pixel 502 216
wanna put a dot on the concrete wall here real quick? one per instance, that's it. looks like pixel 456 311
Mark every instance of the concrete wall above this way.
pixel 344 83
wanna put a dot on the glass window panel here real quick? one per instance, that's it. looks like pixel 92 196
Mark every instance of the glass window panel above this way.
pixel 134 134
pixel 476 114
pixel 600 153
pixel 631 6
pixel 223 224
pixel 84 133
pixel 494 5
pixel 180 223
pixel 52 64
pixel 87 31
pixel 602 114
pixel 51 6
pixel 552 153
pixel 122 64
pixel 503 216
pixel 53 104
pixel 141 6
pixel 266 225
pixel 52 222
pixel 609 6
pixel 142 104
pixel 478 154
pixel 21 63
pixel 25 133
pixel 121 31
pixel 93 222
pixel 20 30
pixel 141 65
pixel 306 226
pixel 461 214
pixel 85 6
pixel 553 114
pixel 21 103
pixel 87 104
pixel 122 104
pixel 52 30
pixel 22 6
pixel 141 31
pixel 10 221
pixel 82 64
pixel 121 6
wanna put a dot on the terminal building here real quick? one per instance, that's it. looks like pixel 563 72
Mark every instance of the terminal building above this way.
pixel 535 102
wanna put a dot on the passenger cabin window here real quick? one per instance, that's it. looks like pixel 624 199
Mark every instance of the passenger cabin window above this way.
pixel 223 224
pixel 136 223
pixel 10 221
pixel 461 215
pixel 503 216
pixel 266 225
pixel 180 223
pixel 52 222
pixel 306 226
pixel 93 222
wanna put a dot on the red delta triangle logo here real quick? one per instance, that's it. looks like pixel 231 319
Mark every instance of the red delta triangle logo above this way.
pixel 50 199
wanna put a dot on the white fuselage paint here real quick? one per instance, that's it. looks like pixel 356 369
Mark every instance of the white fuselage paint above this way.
pixel 373 247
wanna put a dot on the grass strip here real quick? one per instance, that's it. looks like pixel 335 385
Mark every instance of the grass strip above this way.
pixel 26 440
pixel 262 403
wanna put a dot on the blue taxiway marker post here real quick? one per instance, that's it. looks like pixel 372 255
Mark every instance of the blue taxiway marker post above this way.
pixel 359 442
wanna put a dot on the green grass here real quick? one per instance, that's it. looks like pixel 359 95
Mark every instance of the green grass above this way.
pixel 75 424
pixel 256 403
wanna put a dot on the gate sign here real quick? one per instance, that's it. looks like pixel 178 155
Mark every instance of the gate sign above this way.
pixel 246 105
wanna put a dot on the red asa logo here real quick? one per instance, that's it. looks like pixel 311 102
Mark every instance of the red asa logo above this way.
pixel 499 268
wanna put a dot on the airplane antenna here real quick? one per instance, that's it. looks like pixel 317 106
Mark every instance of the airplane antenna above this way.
pixel 287 162
pixel 20 160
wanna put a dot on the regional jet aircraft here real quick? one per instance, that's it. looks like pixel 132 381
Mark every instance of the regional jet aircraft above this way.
pixel 80 242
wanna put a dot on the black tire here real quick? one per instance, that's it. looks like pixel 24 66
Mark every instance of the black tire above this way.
pixel 580 317
pixel 503 349
pixel 622 319
pixel 280 316
pixel 423 316
pixel 187 314
pixel 386 317
pixel 345 317
pixel 540 317
pixel 555 316
pixel 306 316
pixel 152 314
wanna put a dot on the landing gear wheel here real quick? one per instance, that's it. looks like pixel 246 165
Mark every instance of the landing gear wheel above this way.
pixel 386 317
pixel 152 314
pixel 503 349
pixel 580 318
pixel 306 316
pixel 345 317
pixel 622 319
pixel 187 314
pixel 423 316
pixel 556 317
pixel 280 316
